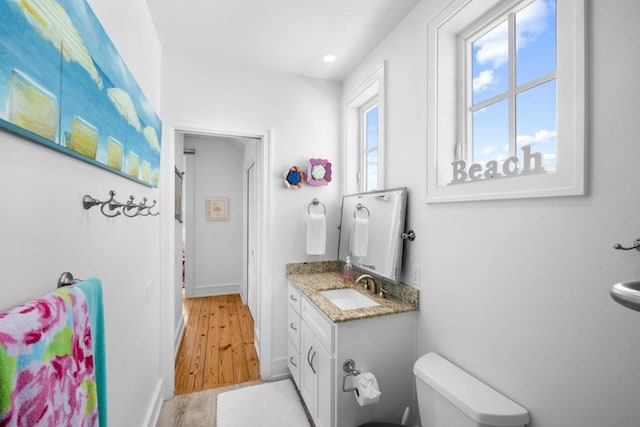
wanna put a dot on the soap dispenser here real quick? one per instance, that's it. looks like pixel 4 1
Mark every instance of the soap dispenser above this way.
pixel 347 271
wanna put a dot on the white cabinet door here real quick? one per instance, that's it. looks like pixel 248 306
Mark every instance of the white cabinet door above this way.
pixel 307 371
pixel 323 363
pixel 316 379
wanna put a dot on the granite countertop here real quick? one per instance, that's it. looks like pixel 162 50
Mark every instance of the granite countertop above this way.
pixel 311 278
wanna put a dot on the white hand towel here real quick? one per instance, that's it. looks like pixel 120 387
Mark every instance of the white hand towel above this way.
pixel 359 237
pixel 316 234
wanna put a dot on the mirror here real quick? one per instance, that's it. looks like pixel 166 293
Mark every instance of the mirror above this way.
pixel 371 231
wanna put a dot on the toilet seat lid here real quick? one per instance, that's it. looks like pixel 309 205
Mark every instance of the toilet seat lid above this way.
pixel 479 401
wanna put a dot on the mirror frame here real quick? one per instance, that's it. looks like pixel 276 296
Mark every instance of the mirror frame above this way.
pixel 399 240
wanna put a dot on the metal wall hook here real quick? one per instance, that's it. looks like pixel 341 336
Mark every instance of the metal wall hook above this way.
pixel 153 203
pixel 130 206
pixel 143 206
pixel 112 204
pixel 635 245
pixel 153 213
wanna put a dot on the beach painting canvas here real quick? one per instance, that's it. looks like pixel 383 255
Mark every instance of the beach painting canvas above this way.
pixel 64 85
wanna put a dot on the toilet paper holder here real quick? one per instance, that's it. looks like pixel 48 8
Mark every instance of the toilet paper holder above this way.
pixel 349 367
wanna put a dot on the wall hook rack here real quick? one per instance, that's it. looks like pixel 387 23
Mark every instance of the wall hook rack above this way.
pixel 112 208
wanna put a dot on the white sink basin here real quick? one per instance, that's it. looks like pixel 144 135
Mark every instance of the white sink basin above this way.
pixel 348 299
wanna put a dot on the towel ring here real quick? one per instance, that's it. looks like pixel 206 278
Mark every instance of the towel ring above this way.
pixel 359 207
pixel 316 202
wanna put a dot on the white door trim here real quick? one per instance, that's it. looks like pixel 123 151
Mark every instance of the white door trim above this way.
pixel 167 249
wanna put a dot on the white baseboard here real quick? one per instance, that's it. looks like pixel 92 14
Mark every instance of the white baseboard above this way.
pixel 279 368
pixel 153 413
pixel 178 337
pixel 215 290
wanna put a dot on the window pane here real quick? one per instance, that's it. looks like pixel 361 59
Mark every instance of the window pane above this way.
pixel 491 133
pixel 490 63
pixel 535 41
pixel 372 128
pixel 536 121
pixel 372 171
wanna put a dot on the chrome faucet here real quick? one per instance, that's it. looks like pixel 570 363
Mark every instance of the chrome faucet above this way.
pixel 369 283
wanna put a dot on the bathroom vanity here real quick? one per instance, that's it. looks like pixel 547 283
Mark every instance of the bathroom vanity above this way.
pixel 321 337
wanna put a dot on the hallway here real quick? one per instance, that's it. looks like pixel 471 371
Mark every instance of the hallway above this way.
pixel 217 348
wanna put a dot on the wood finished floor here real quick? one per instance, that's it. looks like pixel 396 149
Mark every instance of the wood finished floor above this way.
pixel 217 347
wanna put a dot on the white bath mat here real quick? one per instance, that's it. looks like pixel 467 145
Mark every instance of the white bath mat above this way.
pixel 273 404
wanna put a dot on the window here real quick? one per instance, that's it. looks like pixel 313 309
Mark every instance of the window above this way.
pixel 519 110
pixel 510 76
pixel 369 146
pixel 364 135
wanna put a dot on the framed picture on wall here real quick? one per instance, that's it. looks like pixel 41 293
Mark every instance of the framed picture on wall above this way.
pixel 217 209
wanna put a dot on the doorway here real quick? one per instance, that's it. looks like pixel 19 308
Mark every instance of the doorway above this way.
pixel 257 268
pixel 216 225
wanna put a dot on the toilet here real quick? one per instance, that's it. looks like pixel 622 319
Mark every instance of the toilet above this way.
pixel 448 396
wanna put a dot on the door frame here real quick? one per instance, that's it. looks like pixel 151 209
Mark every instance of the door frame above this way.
pixel 171 127
pixel 249 202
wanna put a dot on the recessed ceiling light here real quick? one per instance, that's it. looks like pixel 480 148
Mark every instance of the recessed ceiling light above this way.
pixel 329 58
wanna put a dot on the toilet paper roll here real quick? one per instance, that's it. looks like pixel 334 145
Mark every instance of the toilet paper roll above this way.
pixel 367 391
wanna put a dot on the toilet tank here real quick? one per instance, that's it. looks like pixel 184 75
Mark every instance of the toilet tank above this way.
pixel 448 396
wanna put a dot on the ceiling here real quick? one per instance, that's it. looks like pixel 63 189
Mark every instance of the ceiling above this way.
pixel 284 35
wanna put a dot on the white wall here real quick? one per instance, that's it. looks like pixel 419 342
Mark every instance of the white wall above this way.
pixel 214 248
pixel 303 115
pixel 516 291
pixel 45 231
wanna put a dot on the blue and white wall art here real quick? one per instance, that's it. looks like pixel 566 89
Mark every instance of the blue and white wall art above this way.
pixel 64 85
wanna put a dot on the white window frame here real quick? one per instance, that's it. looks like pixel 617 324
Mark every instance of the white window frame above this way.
pixel 370 88
pixel 444 122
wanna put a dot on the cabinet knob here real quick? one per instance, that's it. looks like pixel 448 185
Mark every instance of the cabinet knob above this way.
pixel 292 326
pixel 293 297
pixel 292 362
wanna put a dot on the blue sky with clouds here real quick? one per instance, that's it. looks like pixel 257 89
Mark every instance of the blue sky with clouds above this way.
pixel 535 46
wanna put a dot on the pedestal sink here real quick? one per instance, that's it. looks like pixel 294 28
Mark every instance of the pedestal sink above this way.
pixel 627 294
pixel 348 299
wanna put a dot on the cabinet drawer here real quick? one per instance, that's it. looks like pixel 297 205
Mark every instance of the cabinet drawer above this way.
pixel 293 361
pixel 293 327
pixel 294 298
pixel 320 325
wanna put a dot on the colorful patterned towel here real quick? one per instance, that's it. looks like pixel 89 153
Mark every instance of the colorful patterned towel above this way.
pixel 92 289
pixel 46 363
